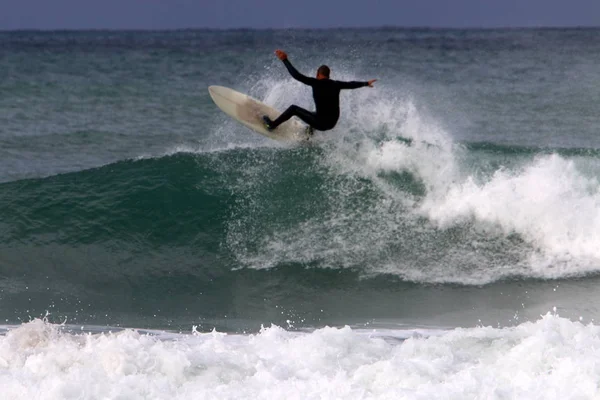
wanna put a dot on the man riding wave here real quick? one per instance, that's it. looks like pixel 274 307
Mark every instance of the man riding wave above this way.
pixel 326 93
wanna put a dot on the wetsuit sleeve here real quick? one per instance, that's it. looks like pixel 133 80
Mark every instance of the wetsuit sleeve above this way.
pixel 351 85
pixel 297 75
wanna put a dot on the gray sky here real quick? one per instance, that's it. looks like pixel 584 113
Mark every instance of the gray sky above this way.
pixel 168 14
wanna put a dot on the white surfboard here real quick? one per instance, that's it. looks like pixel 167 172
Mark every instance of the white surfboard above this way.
pixel 249 112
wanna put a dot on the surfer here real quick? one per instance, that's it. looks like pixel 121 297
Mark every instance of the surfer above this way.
pixel 326 93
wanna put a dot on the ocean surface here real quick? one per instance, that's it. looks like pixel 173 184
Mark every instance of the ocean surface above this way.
pixel 443 241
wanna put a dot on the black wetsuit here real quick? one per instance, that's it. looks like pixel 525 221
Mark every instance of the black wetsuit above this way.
pixel 326 93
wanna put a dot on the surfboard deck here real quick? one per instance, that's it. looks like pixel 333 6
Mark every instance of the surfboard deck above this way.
pixel 249 112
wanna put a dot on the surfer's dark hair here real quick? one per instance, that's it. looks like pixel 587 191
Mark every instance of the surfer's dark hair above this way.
pixel 323 70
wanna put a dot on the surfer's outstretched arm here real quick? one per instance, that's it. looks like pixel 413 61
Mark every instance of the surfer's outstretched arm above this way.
pixel 355 84
pixel 293 71
pixel 297 75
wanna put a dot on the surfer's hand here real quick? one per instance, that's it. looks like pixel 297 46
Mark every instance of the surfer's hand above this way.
pixel 281 55
pixel 371 82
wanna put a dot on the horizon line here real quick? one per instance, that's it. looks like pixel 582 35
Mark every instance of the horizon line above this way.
pixel 373 27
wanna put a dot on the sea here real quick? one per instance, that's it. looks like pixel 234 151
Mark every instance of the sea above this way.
pixel 442 242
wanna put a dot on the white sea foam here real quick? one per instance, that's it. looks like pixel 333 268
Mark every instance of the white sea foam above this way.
pixel 549 203
pixel 550 358
pixel 363 145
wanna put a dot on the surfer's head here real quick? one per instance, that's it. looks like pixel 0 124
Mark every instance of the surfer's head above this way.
pixel 323 72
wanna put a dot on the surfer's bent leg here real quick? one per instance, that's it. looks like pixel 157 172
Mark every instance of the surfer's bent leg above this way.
pixel 304 115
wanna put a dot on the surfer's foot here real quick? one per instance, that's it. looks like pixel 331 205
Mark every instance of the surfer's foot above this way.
pixel 268 123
